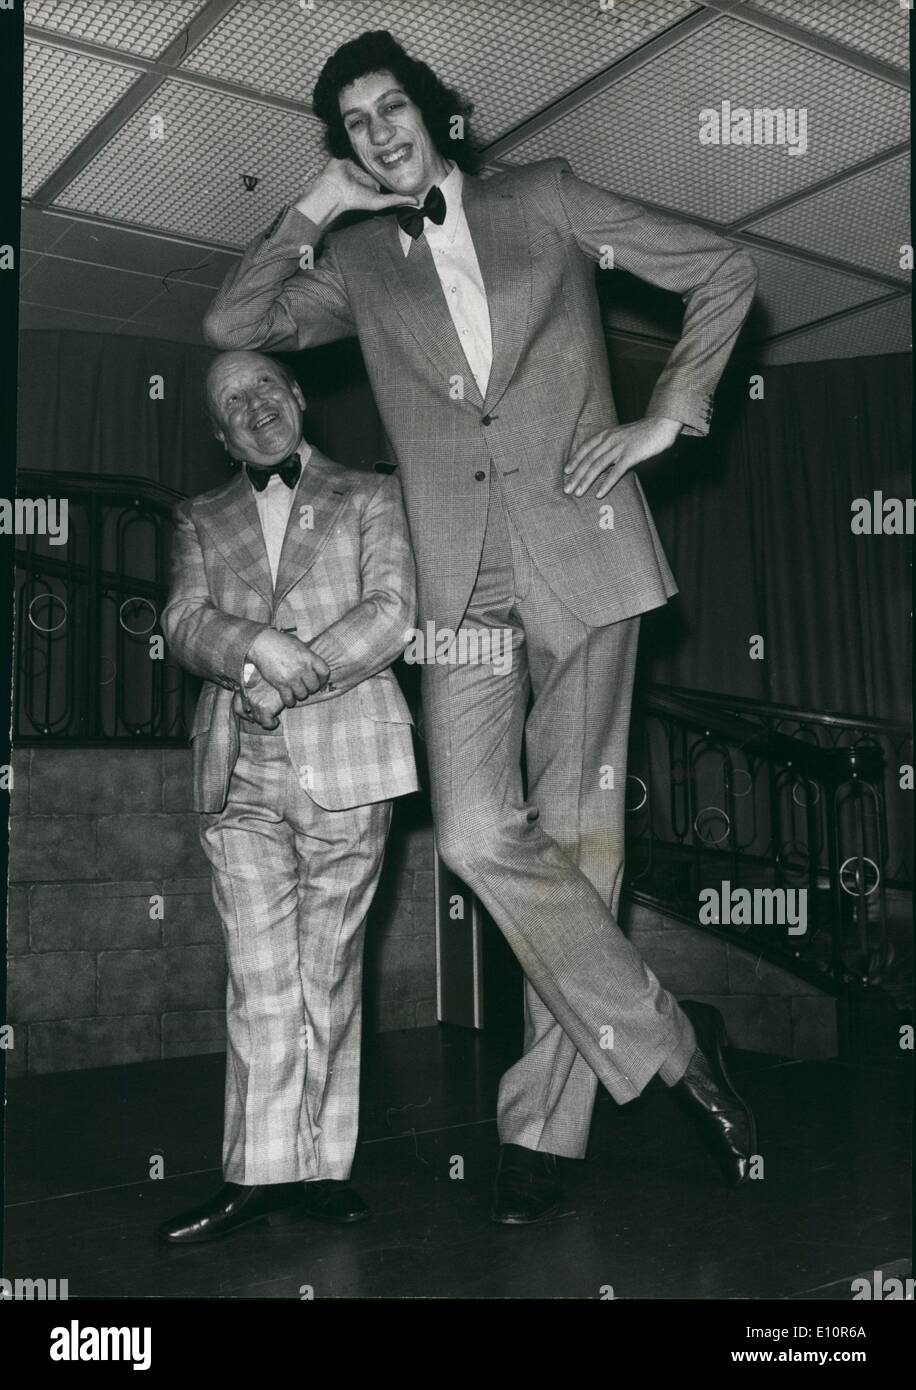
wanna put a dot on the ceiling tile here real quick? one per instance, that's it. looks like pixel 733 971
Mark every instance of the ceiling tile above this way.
pixel 511 58
pixel 182 308
pixel 190 181
pixel 863 220
pixel 50 318
pixel 791 292
pixel 884 329
pixel 148 255
pixel 87 288
pixel 641 135
pixel 41 230
pixel 144 27
pixel 64 95
pixel 876 27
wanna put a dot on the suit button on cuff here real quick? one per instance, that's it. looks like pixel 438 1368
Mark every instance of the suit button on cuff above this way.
pixel 480 475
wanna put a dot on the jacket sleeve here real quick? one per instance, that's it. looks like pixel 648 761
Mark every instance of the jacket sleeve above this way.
pixel 715 278
pixel 375 631
pixel 206 641
pixel 269 301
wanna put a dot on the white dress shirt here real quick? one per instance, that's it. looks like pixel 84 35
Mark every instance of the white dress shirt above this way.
pixel 459 275
pixel 274 504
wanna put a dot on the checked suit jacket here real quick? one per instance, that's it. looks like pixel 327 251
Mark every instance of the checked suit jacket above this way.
pixel 345 585
pixel 538 231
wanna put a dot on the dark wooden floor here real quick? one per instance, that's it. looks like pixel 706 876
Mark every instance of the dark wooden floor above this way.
pixel 646 1213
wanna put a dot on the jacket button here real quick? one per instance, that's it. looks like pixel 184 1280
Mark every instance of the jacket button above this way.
pixel 480 475
pixel 486 419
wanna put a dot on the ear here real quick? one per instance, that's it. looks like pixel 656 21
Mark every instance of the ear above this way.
pixel 297 394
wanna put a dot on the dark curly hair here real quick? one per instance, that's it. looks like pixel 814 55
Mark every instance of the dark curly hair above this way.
pixel 378 51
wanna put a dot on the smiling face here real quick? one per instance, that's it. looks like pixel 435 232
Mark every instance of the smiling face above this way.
pixel 256 411
pixel 389 136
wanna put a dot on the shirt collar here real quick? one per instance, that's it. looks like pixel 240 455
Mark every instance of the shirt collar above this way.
pixel 452 188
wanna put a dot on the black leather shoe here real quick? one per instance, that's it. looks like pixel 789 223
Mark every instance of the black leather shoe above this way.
pixel 526 1186
pixel 231 1209
pixel 708 1092
pixel 332 1200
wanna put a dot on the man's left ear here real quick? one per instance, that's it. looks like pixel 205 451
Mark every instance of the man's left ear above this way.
pixel 297 394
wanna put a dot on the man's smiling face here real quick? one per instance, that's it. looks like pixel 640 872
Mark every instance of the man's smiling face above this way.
pixel 389 136
pixel 256 411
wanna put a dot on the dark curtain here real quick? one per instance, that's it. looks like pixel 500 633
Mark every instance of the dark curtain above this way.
pixel 755 519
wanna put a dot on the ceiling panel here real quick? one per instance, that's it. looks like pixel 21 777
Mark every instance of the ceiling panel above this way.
pixel 144 27
pixel 876 27
pixel 64 95
pixel 884 329
pixel 88 288
pixel 190 181
pixel 641 135
pixel 792 292
pixel 863 220
pixel 511 58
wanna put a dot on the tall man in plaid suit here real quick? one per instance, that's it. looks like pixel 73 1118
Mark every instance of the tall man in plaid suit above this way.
pixel 474 303
pixel 292 587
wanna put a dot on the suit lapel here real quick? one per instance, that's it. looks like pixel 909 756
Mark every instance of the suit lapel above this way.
pixel 497 225
pixel 324 488
pixel 236 530
pixel 415 290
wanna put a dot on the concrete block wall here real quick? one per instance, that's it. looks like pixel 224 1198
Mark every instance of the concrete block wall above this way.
pixel 96 977
pixel 766 1009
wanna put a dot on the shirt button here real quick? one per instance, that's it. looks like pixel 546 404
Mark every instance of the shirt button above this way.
pixel 480 475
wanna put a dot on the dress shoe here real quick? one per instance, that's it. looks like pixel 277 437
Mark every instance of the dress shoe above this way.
pixel 331 1200
pixel 707 1090
pixel 231 1209
pixel 526 1186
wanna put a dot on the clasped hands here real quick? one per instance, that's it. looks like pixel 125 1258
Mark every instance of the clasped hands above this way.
pixel 288 671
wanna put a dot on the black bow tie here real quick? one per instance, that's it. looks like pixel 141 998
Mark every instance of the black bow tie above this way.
pixel 412 219
pixel 288 469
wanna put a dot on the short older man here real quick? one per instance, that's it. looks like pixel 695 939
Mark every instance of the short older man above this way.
pixel 292 588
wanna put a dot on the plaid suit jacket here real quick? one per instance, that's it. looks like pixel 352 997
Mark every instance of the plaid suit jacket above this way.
pixel 345 584
pixel 537 230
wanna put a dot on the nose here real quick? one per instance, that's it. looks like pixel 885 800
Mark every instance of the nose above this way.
pixel 380 130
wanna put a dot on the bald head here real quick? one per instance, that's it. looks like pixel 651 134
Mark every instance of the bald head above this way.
pixel 255 405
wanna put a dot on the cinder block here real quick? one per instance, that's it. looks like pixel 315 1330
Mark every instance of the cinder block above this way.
pixel 814 1028
pixel 395 1013
pixel 684 960
pixel 391 916
pixel 17 921
pixel 419 847
pixel 751 974
pixel 17 1056
pixel 92 1042
pixel 72 781
pixel 94 916
pixel 177 782
pixel 155 846
pixel 425 1016
pixel 406 968
pixel 49 848
pixel 193 1032
pixel 424 885
pixel 170 979
pixel 191 919
pixel 21 764
pixel 755 1022
pixel 58 985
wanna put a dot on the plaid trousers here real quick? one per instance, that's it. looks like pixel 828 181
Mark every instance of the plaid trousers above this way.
pixel 293 883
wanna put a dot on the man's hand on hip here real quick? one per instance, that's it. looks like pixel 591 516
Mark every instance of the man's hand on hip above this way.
pixel 289 665
pixel 613 452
